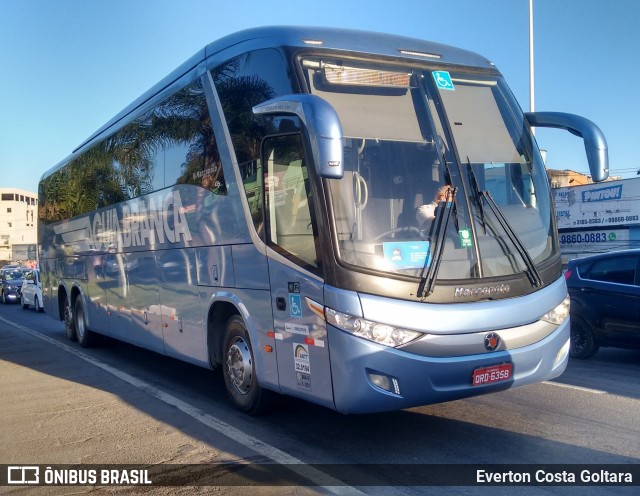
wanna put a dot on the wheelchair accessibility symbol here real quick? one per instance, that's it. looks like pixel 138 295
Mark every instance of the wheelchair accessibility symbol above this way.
pixel 443 80
pixel 295 306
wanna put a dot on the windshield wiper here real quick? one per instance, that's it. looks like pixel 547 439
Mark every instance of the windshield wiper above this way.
pixel 449 182
pixel 437 237
pixel 532 272
pixel 477 199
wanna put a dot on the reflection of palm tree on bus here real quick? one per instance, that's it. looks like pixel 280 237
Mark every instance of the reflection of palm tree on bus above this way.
pixel 122 166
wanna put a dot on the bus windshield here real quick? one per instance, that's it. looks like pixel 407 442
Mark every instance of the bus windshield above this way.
pixel 411 135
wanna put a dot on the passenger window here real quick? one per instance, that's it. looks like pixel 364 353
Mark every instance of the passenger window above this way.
pixel 615 270
pixel 291 227
pixel 173 143
pixel 189 152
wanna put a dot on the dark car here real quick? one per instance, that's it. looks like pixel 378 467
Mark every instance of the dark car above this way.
pixel 605 302
pixel 11 280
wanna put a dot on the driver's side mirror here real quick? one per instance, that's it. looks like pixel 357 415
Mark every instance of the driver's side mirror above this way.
pixel 323 128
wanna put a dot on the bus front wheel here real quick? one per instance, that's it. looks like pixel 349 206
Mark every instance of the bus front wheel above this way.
pixel 239 370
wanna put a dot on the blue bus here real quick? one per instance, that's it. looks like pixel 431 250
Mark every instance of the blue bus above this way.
pixel 356 219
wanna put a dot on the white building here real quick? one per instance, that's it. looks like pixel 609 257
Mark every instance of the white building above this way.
pixel 18 224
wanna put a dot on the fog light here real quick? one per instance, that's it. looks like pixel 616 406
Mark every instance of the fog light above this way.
pixel 385 382
pixel 561 355
pixel 381 381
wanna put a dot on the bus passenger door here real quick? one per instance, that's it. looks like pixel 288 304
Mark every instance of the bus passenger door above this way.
pixel 296 288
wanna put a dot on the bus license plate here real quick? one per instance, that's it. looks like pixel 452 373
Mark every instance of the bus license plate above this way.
pixel 493 373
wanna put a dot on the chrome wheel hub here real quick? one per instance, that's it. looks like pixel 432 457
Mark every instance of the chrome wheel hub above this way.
pixel 240 365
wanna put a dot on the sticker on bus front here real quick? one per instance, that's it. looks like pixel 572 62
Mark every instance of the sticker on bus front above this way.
pixel 301 358
pixel 295 306
pixel 443 80
pixel 406 254
pixel 302 366
pixel 296 329
pixel 466 241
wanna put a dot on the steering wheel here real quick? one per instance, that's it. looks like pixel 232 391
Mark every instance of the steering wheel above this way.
pixel 392 232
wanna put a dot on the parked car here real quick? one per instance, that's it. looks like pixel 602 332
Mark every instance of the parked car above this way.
pixel 10 267
pixel 31 291
pixel 605 301
pixel 11 280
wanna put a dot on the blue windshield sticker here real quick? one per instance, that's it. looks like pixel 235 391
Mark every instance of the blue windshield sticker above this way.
pixel 443 80
pixel 406 254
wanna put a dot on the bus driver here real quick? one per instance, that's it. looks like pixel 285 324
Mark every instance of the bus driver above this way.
pixel 426 213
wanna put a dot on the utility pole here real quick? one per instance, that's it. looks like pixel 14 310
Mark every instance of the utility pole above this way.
pixel 531 69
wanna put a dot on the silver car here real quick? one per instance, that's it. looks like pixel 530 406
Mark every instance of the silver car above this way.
pixel 31 291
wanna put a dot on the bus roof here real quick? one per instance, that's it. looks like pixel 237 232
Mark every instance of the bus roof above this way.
pixel 333 39
pixel 348 40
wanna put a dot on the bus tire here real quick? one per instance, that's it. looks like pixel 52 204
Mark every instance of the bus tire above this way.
pixel 583 343
pixel 239 370
pixel 67 316
pixel 86 338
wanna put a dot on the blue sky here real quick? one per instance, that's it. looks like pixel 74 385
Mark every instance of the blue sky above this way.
pixel 68 66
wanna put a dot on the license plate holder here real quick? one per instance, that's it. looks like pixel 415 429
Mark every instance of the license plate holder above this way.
pixel 492 373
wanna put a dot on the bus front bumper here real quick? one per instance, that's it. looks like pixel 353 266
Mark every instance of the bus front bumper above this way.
pixel 368 377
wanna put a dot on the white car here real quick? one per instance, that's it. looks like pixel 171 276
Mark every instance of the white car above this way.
pixel 32 291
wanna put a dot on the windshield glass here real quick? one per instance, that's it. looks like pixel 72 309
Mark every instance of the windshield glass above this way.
pixel 498 159
pixel 14 275
pixel 412 135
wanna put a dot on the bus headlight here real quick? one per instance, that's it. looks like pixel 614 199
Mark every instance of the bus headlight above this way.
pixel 559 314
pixel 373 331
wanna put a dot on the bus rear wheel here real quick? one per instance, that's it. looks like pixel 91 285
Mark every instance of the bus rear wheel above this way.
pixel 69 326
pixel 239 370
pixel 86 338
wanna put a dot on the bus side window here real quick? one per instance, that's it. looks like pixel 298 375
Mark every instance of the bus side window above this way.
pixel 291 226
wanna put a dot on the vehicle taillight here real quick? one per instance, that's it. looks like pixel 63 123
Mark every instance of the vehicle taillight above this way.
pixel 567 274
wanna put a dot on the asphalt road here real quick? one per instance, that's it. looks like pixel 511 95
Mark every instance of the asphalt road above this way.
pixel 118 404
